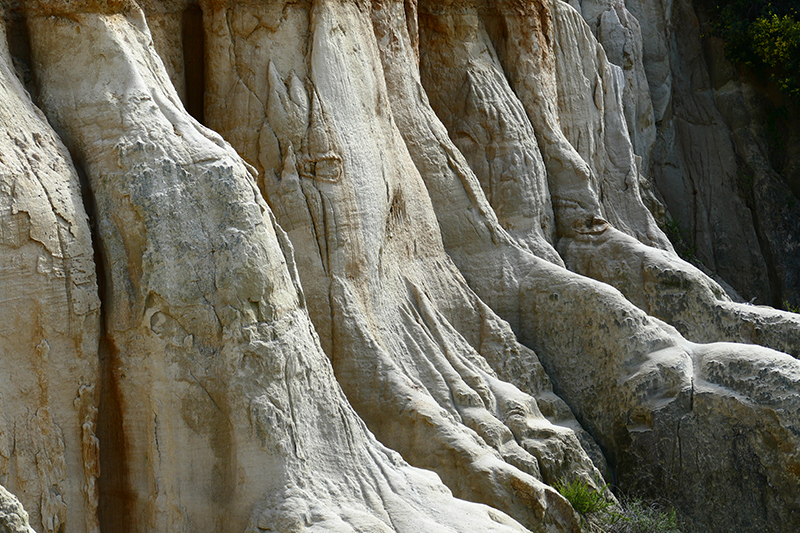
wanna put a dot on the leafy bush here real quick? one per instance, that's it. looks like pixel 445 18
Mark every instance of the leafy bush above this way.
pixel 765 35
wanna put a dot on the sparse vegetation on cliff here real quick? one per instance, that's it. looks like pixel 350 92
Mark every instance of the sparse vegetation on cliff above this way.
pixel 681 240
pixel 765 36
pixel 629 515
pixel 638 516
pixel 585 499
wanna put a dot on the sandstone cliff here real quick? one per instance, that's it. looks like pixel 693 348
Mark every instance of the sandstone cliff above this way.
pixel 347 261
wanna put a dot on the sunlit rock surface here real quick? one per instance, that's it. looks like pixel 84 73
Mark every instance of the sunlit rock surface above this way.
pixel 443 214
pixel 13 517
pixel 50 325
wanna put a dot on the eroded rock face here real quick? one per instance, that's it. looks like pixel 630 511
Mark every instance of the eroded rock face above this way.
pixel 660 356
pixel 222 387
pixel 13 517
pixel 722 191
pixel 397 318
pixel 442 176
pixel 49 331
pixel 657 282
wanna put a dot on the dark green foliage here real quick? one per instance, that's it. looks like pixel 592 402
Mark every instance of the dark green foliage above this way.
pixel 764 35
pixel 602 514
pixel 583 498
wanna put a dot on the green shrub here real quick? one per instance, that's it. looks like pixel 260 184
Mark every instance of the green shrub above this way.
pixel 764 35
pixel 583 498
pixel 776 42
pixel 631 515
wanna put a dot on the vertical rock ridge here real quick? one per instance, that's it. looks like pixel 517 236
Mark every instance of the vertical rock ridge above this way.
pixel 694 164
pixel 50 309
pixel 362 212
pixel 586 242
pixel 657 361
pixel 223 388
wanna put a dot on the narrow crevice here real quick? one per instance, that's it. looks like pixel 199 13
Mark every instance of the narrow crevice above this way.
pixel 114 505
pixel 194 51
pixel 766 252
pixel 115 496
pixel 19 47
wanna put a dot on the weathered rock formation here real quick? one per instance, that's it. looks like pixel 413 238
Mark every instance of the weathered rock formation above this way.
pixel 407 220
pixel 50 323
pixel 711 162
pixel 13 517
pixel 404 332
pixel 227 414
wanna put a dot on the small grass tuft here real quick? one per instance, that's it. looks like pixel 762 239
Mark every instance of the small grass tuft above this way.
pixel 583 498
pixel 638 516
pixel 602 514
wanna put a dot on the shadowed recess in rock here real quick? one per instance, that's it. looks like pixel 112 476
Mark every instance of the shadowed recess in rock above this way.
pixel 194 61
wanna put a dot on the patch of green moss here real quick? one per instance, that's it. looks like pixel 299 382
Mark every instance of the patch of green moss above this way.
pixel 681 240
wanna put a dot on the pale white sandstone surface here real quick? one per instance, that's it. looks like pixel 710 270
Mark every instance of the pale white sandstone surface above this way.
pixel 659 283
pixel 654 363
pixel 487 124
pixel 663 285
pixel 49 320
pixel 404 332
pixel 591 113
pixel 620 34
pixel 230 415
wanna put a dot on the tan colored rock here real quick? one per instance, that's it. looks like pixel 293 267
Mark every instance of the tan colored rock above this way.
pixel 13 517
pixel 620 34
pixel 49 330
pixel 591 114
pixel 220 409
pixel 404 332
pixel 659 283
pixel 654 370
pixel 685 422
pixel 679 293
pixel 469 226
pixel 165 20
pixel 230 415
pixel 487 124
